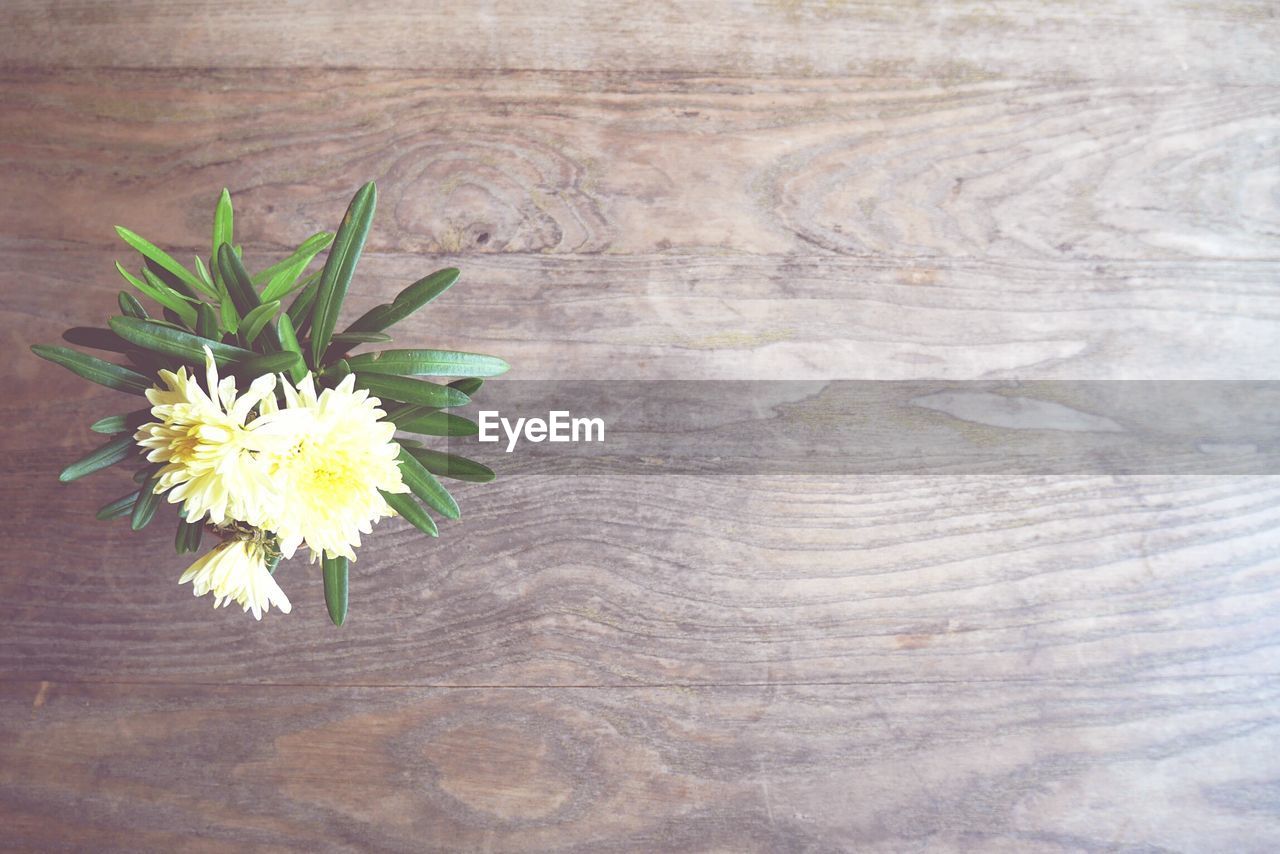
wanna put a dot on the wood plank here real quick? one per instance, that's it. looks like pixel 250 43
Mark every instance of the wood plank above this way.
pixel 1158 40
pixel 617 580
pixel 530 163
pixel 665 316
pixel 1023 766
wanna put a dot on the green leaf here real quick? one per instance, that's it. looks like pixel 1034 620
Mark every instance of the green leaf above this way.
pixel 145 508
pixel 450 465
pixel 161 257
pixel 425 486
pixel 334 570
pixel 257 320
pixel 338 372
pixel 204 275
pixel 339 267
pixel 95 369
pixel 282 283
pixel 223 221
pixel 115 451
pixel 289 342
pixel 236 280
pixel 411 391
pixel 120 423
pixel 98 339
pixel 406 302
pixel 300 310
pixel 171 281
pixel 300 258
pixel 158 292
pixel 122 506
pixel 428 363
pixel 361 338
pixel 207 322
pixel 468 386
pixel 439 424
pixel 188 536
pixel 412 512
pixel 406 411
pixel 272 363
pixel 176 342
pixel 172 299
pixel 130 307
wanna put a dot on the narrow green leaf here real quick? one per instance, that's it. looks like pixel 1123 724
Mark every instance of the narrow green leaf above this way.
pixel 453 466
pixel 406 302
pixel 255 321
pixel 425 486
pixel 188 536
pixel 171 299
pixel 468 386
pixel 299 258
pixel 334 570
pixel 144 510
pixel 439 424
pixel 289 343
pixel 203 274
pixel 128 422
pixel 122 506
pixel 175 342
pixel 148 250
pixel 207 322
pixel 95 369
pixel 171 281
pixel 115 451
pixel 411 391
pixel 157 291
pixel 98 339
pixel 428 363
pixel 130 307
pixel 272 363
pixel 408 507
pixel 301 309
pixel 339 267
pixel 236 280
pixel 282 283
pixel 400 412
pixel 223 220
pixel 353 338
pixel 338 372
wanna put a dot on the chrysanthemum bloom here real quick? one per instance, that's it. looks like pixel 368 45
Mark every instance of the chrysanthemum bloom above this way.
pixel 237 571
pixel 339 454
pixel 211 455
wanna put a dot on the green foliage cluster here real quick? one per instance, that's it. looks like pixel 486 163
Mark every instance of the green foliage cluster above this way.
pixel 244 321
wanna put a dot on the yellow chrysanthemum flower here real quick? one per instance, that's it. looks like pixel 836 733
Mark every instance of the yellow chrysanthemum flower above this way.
pixel 209 451
pixel 237 571
pixel 329 456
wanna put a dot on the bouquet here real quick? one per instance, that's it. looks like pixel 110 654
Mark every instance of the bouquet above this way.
pixel 263 428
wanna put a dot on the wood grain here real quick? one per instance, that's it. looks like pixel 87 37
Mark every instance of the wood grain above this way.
pixel 566 164
pixel 1092 765
pixel 1157 40
pixel 685 316
pixel 739 190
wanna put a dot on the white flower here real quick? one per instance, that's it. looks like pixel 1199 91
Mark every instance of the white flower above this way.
pixel 237 571
pixel 331 456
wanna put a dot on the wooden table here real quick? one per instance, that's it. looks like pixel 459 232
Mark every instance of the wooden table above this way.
pixel 862 189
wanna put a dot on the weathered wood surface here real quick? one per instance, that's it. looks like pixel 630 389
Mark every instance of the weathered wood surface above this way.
pixel 733 166
pixel 685 191
pixel 1044 766
pixel 1156 40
